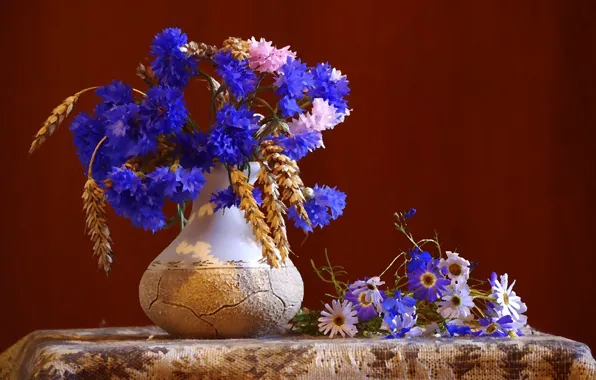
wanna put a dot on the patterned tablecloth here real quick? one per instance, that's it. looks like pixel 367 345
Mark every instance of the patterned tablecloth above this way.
pixel 149 353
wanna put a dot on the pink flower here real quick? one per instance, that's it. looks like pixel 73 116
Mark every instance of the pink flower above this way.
pixel 325 115
pixel 322 116
pixel 304 123
pixel 264 57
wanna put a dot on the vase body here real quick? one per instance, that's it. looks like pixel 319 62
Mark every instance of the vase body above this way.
pixel 210 282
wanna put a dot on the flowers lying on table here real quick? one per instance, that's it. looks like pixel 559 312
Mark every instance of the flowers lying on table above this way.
pixel 427 296
pixel 140 149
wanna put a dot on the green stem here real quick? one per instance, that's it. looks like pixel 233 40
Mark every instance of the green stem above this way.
pixel 264 102
pixel 212 109
pixel 332 273
pixel 438 244
pixel 264 88
pixel 193 123
pixel 394 260
pixel 409 236
pixel 181 209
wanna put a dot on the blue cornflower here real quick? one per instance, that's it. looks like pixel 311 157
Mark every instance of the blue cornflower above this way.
pixel 236 74
pixel 399 304
pixel 257 193
pixel 180 185
pixel 171 66
pixel 289 106
pixel 327 204
pixel 399 315
pixel 163 111
pixel 326 86
pixel 194 151
pixel 87 133
pixel 400 325
pixel 427 283
pixel 298 146
pixel 410 213
pixel 164 180
pixel 113 95
pixel 419 259
pixel 495 327
pixel 190 183
pixel 124 131
pixel 227 198
pixel 454 329
pixel 294 79
pixel 231 140
pixel 136 199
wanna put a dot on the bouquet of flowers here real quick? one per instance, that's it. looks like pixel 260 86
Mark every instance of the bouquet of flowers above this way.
pixel 141 148
pixel 428 296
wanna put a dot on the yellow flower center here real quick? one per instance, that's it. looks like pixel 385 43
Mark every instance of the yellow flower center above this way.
pixel 371 287
pixel 339 320
pixel 455 269
pixel 428 280
pixel 506 298
pixel 363 300
pixel 491 329
pixel 455 301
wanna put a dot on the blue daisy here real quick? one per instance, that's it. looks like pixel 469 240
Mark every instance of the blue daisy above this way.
pixel 427 282
pixel 494 327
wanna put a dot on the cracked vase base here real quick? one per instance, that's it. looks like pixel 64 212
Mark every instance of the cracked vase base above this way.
pixel 211 282
pixel 237 302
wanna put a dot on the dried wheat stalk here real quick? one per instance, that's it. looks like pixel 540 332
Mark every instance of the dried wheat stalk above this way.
pixel 146 75
pixel 238 48
pixel 56 118
pixel 222 97
pixel 201 50
pixel 254 216
pixel 275 209
pixel 288 176
pixel 94 204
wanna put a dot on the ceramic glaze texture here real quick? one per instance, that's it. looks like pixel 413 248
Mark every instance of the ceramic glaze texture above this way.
pixel 210 282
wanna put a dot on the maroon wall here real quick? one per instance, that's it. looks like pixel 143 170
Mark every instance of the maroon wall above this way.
pixel 479 114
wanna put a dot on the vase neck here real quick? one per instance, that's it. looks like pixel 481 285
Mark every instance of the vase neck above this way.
pixel 218 179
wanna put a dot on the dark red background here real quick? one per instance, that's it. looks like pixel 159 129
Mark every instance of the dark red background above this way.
pixel 479 114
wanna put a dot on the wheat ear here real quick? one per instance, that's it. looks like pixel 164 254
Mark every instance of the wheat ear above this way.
pixel 288 177
pixel 94 204
pixel 56 118
pixel 275 209
pixel 238 47
pixel 254 216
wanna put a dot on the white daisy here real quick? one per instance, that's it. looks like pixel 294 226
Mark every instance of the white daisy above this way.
pixel 341 318
pixel 457 302
pixel 521 320
pixel 508 302
pixel 457 268
pixel 496 311
pixel 370 287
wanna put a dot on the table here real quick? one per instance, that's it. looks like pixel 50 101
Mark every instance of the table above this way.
pixel 149 353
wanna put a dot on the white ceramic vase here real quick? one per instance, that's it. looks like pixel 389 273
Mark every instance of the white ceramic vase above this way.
pixel 210 282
